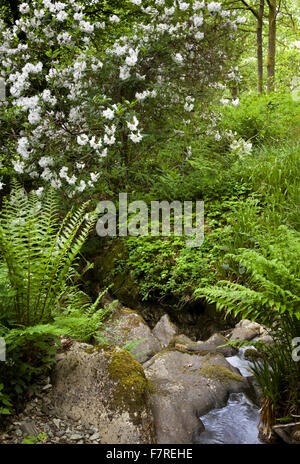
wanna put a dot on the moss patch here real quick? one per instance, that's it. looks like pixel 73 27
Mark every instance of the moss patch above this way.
pixel 131 389
pixel 130 393
pixel 99 348
pixel 220 373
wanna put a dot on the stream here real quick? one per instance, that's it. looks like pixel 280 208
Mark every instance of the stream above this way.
pixel 237 422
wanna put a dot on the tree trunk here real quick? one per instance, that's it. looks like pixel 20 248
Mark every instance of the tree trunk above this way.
pixel 271 45
pixel 259 41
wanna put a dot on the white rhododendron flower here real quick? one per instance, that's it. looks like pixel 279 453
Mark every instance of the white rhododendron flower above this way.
pixel 108 114
pixel 178 58
pixel 136 137
pixel 82 139
pixel 24 8
pixel 114 19
pixel 214 6
pixel 133 126
pixel 236 102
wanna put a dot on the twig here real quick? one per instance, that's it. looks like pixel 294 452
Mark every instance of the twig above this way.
pixel 279 426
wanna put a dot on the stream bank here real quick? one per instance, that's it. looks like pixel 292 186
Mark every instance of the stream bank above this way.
pixel 178 383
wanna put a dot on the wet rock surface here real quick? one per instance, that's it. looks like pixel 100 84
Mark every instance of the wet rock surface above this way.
pixel 186 386
pixel 246 330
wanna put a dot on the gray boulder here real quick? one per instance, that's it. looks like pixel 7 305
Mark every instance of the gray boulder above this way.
pixel 214 343
pixel 165 330
pixel 104 387
pixel 185 387
pixel 246 330
pixel 127 327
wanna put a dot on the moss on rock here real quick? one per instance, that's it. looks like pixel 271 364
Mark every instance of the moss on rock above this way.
pixel 105 271
pixel 220 373
pixel 132 387
pixel 130 393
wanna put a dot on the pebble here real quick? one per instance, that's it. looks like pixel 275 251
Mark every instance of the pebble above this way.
pixel 76 436
pixel 56 422
pixel 38 418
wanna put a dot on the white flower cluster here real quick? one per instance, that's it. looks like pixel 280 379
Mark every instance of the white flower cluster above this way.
pixel 189 104
pixel 77 115
pixel 214 7
pixel 140 96
pixel 135 134
pixel 241 147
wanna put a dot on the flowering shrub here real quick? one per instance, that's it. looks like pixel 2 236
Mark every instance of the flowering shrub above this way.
pixel 75 99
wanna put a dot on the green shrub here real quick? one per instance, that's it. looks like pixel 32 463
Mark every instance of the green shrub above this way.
pixel 272 173
pixel 264 118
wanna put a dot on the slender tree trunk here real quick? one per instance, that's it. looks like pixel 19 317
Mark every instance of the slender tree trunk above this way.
pixel 235 91
pixel 271 45
pixel 259 41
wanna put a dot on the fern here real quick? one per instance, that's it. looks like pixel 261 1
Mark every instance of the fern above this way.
pixel 38 256
pixel 271 287
pixel 39 295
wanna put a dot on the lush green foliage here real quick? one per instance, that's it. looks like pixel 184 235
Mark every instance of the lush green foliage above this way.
pixel 97 105
pixel 38 257
pixel 264 118
pixel 267 284
pixel 40 294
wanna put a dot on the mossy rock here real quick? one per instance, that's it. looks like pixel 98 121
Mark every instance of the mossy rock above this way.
pixel 186 386
pixel 106 387
pixel 132 383
pixel 128 329
pixel 220 373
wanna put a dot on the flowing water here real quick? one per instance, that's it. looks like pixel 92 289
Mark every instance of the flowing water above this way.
pixel 237 422
pixel 241 362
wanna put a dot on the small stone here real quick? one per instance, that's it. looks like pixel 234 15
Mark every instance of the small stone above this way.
pixel 95 436
pixel 56 423
pixel 76 436
pixel 47 387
